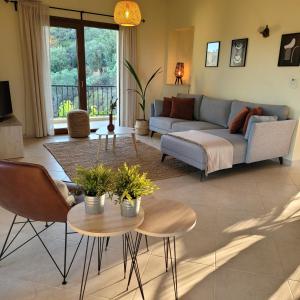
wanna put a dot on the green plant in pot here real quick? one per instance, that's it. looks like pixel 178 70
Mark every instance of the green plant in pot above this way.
pixel 141 125
pixel 95 182
pixel 129 186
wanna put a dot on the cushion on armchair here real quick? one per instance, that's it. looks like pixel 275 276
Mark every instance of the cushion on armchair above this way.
pixel 62 187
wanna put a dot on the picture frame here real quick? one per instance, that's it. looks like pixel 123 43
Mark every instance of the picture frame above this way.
pixel 212 54
pixel 238 54
pixel 289 54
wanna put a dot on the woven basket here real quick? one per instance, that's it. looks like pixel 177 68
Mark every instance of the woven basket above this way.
pixel 78 123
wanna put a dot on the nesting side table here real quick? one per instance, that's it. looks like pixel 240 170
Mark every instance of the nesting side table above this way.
pixel 108 224
pixel 166 219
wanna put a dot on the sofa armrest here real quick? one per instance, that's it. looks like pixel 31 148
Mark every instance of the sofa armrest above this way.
pixel 269 140
pixel 156 108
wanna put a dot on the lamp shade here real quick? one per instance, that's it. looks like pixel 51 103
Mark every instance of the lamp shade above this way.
pixel 179 70
pixel 127 13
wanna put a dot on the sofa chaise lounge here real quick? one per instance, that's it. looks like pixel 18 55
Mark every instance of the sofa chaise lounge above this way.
pixel 267 140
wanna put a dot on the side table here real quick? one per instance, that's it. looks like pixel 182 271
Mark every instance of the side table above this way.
pixel 166 219
pixel 108 224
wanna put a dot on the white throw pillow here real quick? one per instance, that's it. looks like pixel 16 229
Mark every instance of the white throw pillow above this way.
pixel 62 187
pixel 258 119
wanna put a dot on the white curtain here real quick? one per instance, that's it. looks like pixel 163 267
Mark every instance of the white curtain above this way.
pixel 127 50
pixel 34 29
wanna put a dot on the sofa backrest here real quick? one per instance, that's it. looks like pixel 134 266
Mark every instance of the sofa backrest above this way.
pixel 198 100
pixel 281 111
pixel 215 110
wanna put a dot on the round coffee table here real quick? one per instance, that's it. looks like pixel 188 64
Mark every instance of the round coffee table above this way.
pixel 103 131
pixel 109 223
pixel 166 219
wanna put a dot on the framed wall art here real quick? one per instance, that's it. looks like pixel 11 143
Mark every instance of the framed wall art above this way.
pixel 238 53
pixel 212 54
pixel 289 55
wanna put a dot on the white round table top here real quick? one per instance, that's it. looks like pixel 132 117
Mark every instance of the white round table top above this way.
pixel 118 131
pixel 109 223
pixel 166 218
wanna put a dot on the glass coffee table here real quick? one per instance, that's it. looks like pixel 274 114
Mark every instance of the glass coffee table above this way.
pixel 120 131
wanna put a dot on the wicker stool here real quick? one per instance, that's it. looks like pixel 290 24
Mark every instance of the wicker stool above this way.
pixel 78 123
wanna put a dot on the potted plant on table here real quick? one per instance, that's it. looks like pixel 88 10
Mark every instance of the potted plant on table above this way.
pixel 141 125
pixel 95 182
pixel 129 186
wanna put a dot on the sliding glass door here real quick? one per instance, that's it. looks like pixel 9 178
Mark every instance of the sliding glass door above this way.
pixel 84 68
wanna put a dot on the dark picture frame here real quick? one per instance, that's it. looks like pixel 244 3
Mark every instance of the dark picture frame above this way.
pixel 289 54
pixel 238 54
pixel 212 54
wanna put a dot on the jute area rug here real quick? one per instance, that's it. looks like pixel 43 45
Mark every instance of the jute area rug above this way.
pixel 84 153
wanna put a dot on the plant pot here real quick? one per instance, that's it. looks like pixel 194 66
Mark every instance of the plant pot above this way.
pixel 128 210
pixel 141 127
pixel 111 126
pixel 94 205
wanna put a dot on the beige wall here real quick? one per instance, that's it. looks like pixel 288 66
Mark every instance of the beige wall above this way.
pixel 151 42
pixel 261 80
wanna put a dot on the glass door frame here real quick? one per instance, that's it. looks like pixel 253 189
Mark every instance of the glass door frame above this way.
pixel 79 26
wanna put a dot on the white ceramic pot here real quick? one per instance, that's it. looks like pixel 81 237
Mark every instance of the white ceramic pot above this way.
pixel 129 210
pixel 94 205
pixel 141 127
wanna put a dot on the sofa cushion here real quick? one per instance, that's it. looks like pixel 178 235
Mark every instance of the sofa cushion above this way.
pixel 238 142
pixel 256 111
pixel 182 109
pixel 215 111
pixel 281 111
pixel 163 122
pixel 167 107
pixel 194 125
pixel 197 105
pixel 238 121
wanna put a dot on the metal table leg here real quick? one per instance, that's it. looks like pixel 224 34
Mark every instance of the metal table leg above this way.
pixel 173 264
pixel 85 272
pixel 133 248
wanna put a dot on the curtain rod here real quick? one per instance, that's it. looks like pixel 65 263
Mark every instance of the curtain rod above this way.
pixel 81 12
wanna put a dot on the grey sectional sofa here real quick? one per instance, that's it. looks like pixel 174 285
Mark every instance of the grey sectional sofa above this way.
pixel 267 140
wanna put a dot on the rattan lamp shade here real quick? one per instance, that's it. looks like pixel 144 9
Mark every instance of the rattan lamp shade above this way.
pixel 127 13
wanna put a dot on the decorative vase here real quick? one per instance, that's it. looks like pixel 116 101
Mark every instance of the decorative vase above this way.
pixel 110 126
pixel 141 127
pixel 94 205
pixel 128 210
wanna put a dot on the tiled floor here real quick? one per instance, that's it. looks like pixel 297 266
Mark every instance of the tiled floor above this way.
pixel 246 244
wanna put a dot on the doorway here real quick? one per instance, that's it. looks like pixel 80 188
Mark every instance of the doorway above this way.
pixel 84 69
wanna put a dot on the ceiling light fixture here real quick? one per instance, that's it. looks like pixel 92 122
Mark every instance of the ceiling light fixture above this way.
pixel 127 13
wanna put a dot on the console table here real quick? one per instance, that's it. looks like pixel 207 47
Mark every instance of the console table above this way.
pixel 11 138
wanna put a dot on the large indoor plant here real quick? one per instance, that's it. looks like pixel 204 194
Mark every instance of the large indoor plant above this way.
pixel 141 125
pixel 129 186
pixel 95 182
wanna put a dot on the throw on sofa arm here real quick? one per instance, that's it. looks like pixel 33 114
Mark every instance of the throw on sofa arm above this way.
pixel 269 140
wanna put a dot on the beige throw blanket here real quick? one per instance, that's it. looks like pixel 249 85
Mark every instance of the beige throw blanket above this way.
pixel 219 151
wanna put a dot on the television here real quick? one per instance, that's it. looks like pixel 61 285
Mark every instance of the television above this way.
pixel 5 100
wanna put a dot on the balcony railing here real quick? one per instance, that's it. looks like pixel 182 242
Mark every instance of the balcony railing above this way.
pixel 66 98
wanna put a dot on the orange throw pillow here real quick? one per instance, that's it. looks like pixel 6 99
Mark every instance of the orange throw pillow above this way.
pixel 256 111
pixel 182 108
pixel 238 121
pixel 167 106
